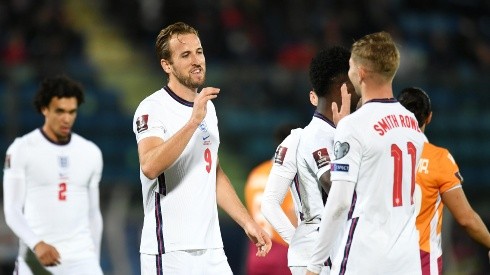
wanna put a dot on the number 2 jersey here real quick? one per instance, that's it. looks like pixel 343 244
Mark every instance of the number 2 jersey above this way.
pixel 179 205
pixel 378 147
pixel 53 181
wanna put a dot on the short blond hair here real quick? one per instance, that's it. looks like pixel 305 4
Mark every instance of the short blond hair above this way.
pixel 378 53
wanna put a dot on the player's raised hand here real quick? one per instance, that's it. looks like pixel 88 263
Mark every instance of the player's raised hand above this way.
pixel 47 254
pixel 259 237
pixel 200 102
pixel 345 108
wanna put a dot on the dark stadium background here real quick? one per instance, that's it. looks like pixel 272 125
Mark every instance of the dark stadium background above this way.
pixel 258 53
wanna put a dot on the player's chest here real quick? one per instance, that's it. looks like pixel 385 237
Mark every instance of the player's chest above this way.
pixel 45 167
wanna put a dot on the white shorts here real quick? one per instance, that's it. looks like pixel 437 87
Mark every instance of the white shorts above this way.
pixel 187 262
pixel 301 270
pixel 89 266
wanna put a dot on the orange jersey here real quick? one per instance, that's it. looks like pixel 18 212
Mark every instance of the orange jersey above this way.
pixel 437 173
pixel 254 189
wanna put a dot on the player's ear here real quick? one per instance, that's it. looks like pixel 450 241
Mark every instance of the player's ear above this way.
pixel 165 65
pixel 44 110
pixel 313 98
pixel 429 118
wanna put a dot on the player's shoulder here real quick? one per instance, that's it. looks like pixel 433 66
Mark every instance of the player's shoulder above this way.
pixel 153 99
pixel 433 151
pixel 28 139
pixel 84 143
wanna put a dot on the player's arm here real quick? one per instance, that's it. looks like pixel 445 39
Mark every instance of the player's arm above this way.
pixel 14 190
pixel 156 155
pixel 95 216
pixel 463 213
pixel 228 200
pixel 275 191
pixel 325 181
pixel 333 217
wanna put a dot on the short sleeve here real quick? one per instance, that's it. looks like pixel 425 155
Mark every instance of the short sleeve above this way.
pixel 347 151
pixel 449 176
pixel 146 122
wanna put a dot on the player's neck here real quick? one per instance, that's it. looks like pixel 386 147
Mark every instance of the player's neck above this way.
pixel 182 91
pixel 324 107
pixel 376 92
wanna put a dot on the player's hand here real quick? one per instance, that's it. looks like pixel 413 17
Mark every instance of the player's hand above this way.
pixel 345 108
pixel 310 272
pixel 200 103
pixel 259 237
pixel 47 254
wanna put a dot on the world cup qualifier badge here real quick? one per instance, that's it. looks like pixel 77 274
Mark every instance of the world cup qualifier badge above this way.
pixel 142 123
pixel 280 155
pixel 321 157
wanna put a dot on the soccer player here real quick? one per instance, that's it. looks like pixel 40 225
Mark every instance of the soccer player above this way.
pixel 439 182
pixel 328 72
pixel 51 188
pixel 376 150
pixel 276 261
pixel 182 181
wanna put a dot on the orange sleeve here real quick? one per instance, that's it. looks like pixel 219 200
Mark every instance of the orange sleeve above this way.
pixel 254 189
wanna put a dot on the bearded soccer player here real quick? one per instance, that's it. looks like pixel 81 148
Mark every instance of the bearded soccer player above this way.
pixel 51 188
pixel 176 129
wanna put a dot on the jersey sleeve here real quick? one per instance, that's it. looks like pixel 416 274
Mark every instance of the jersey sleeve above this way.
pixel 14 193
pixel 449 176
pixel 285 157
pixel 146 122
pixel 347 154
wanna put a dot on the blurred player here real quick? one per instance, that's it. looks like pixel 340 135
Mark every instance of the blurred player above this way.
pixel 328 72
pixel 276 260
pixel 373 175
pixel 51 188
pixel 182 181
pixel 439 183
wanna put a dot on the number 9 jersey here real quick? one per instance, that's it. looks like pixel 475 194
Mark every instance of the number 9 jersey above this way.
pixel 179 205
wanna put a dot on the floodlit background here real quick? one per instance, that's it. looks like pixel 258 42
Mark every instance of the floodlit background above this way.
pixel 258 53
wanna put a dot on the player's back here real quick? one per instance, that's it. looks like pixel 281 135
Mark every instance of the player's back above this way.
pixel 437 173
pixel 378 147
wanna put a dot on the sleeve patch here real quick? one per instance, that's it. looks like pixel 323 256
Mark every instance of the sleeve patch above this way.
pixel 6 164
pixel 321 157
pixel 280 155
pixel 339 167
pixel 341 149
pixel 142 123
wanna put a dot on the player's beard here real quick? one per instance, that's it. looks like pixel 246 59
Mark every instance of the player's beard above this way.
pixel 187 80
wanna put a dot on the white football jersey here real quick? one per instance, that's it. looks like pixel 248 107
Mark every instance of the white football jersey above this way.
pixel 378 148
pixel 285 164
pixel 56 180
pixel 282 178
pixel 179 205
pixel 312 160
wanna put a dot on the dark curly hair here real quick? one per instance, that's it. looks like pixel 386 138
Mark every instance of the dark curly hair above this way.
pixel 416 101
pixel 58 86
pixel 326 66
